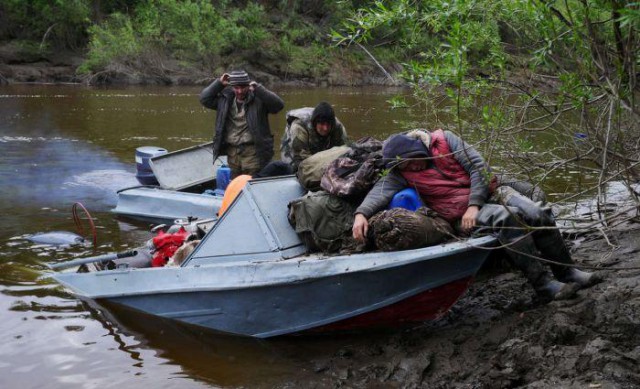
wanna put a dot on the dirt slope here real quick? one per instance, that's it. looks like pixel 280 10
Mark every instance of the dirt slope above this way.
pixel 498 336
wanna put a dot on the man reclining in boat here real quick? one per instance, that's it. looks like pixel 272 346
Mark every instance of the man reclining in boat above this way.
pixel 454 180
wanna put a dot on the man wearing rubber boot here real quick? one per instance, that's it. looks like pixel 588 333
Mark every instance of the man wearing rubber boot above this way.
pixel 454 180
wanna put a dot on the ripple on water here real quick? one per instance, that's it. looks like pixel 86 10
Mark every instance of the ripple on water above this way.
pixel 28 139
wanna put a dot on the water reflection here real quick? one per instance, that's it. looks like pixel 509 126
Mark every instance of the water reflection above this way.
pixel 52 171
pixel 219 359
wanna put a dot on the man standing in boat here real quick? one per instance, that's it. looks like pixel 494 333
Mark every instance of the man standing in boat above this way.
pixel 454 180
pixel 309 131
pixel 242 129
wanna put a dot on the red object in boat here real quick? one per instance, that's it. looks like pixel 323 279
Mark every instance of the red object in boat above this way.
pixel 166 244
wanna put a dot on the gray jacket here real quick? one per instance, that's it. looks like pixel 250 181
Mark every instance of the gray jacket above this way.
pixel 259 104
pixel 383 191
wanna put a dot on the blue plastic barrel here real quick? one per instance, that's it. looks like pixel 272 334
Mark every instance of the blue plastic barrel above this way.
pixel 144 174
pixel 407 198
pixel 223 177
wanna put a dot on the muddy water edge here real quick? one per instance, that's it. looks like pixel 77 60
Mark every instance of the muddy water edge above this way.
pixel 65 144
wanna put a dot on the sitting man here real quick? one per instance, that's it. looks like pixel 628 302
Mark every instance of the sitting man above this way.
pixel 309 131
pixel 453 180
pixel 242 125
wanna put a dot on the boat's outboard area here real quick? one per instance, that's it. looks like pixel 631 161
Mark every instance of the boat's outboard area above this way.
pixel 185 182
pixel 187 168
pixel 255 227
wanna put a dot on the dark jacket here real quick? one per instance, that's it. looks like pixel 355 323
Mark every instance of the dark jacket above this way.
pixel 259 104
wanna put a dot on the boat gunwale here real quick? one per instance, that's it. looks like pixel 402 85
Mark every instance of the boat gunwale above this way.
pixel 332 266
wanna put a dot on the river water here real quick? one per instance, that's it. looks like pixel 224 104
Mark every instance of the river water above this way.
pixel 65 144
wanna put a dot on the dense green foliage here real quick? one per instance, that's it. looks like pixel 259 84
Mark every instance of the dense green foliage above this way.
pixel 163 36
pixel 48 23
pixel 211 36
pixel 550 85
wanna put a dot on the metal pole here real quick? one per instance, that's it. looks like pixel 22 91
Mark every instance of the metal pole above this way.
pixel 98 258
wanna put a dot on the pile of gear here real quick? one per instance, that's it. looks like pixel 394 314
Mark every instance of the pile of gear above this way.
pixel 337 180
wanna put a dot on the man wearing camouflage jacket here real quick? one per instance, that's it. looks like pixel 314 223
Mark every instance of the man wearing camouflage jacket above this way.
pixel 310 131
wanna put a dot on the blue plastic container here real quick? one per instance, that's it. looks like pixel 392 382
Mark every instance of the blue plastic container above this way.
pixel 144 174
pixel 407 198
pixel 223 177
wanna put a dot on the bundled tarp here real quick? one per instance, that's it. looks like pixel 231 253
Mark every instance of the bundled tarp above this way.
pixel 353 174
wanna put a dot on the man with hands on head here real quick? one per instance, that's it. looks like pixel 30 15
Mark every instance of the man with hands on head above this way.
pixel 242 129
pixel 454 180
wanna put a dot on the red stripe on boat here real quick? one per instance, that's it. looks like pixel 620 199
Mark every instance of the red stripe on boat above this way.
pixel 421 307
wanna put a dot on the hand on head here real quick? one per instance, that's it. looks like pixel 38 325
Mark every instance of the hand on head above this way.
pixel 224 79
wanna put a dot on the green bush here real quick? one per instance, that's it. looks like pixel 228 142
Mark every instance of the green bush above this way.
pixel 57 23
pixel 192 31
pixel 115 40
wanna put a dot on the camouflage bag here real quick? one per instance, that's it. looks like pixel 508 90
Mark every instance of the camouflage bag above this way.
pixel 402 229
pixel 354 174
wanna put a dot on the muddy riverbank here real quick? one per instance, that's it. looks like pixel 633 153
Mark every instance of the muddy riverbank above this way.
pixel 498 336
pixel 16 66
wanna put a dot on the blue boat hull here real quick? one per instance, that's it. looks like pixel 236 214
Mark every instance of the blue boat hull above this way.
pixel 298 306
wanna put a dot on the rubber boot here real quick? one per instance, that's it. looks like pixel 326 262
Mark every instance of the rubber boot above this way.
pixel 549 289
pixel 546 287
pixel 552 247
pixel 531 213
pixel 525 188
pixel 550 242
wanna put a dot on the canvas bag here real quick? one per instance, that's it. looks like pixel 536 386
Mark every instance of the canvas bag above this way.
pixel 310 170
pixel 322 221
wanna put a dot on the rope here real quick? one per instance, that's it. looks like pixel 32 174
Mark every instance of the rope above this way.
pixel 549 261
pixel 79 226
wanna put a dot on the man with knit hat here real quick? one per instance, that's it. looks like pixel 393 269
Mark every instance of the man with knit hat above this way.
pixel 454 181
pixel 242 129
pixel 309 131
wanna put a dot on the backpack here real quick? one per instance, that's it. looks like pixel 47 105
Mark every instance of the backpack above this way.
pixel 304 115
pixel 310 170
pixel 322 221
